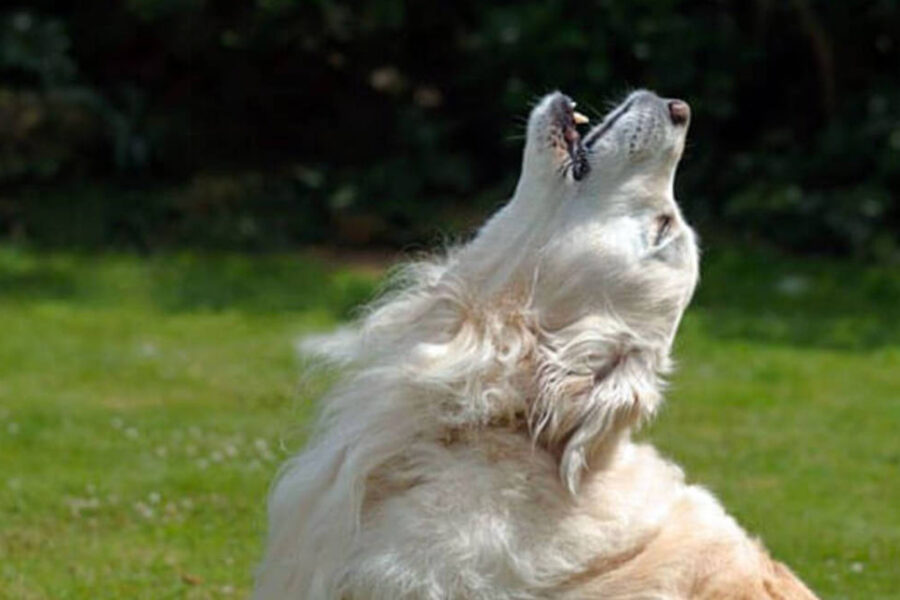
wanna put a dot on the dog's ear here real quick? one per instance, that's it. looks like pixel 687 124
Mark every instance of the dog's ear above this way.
pixel 595 381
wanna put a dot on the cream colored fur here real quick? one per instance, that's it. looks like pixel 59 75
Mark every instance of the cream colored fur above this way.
pixel 478 445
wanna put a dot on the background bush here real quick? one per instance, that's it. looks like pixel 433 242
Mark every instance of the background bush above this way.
pixel 268 124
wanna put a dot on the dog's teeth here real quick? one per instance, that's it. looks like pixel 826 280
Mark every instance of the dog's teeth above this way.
pixel 579 118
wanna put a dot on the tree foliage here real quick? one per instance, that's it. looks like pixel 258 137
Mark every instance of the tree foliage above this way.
pixel 278 122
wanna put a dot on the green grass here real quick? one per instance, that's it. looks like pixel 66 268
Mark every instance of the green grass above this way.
pixel 145 404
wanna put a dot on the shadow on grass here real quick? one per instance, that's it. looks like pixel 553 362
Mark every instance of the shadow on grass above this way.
pixel 256 284
pixel 749 295
pixel 184 282
pixel 36 282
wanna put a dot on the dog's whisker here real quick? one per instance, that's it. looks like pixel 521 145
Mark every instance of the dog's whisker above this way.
pixel 596 113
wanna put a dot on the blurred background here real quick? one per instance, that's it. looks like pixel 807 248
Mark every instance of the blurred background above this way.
pixel 187 186
pixel 151 124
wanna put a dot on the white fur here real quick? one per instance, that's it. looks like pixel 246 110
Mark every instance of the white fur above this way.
pixel 478 444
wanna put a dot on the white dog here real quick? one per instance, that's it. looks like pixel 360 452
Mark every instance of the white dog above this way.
pixel 478 446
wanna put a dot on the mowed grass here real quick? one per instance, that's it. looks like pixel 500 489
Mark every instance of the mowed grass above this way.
pixel 145 404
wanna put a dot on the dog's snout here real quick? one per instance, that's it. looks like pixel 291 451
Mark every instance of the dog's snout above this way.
pixel 679 111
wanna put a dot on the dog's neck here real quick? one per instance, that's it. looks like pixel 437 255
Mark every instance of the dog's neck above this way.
pixel 505 253
pixel 578 389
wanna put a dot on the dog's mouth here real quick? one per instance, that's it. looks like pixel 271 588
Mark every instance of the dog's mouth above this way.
pixel 664 113
pixel 608 123
pixel 567 120
pixel 578 146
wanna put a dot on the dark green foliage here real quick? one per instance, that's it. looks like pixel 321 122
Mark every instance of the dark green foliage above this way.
pixel 277 122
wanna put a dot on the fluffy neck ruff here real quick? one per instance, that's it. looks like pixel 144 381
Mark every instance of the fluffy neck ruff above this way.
pixel 453 356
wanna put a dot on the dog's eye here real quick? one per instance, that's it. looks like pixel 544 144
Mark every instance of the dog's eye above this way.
pixel 663 227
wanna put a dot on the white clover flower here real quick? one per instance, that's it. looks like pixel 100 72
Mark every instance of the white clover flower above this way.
pixel 143 510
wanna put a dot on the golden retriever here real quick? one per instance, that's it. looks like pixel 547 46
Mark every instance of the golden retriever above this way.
pixel 478 445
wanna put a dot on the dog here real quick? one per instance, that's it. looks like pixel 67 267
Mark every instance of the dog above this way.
pixel 478 444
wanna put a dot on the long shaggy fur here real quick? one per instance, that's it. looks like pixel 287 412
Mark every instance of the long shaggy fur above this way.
pixel 478 444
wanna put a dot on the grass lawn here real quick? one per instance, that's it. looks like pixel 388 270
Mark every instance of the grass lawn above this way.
pixel 145 404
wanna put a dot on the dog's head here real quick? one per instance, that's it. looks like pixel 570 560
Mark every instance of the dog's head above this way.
pixel 596 238
pixel 613 239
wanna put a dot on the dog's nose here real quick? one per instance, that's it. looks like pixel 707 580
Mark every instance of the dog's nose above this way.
pixel 679 111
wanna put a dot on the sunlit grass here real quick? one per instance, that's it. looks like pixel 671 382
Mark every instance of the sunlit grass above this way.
pixel 145 404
